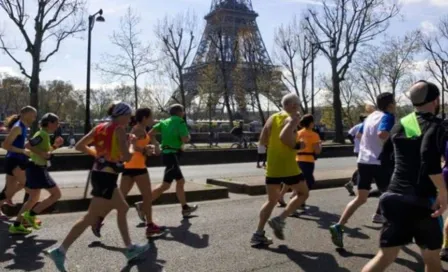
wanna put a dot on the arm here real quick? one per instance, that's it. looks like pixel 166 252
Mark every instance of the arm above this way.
pixel 288 135
pixel 317 146
pixel 83 144
pixel 32 145
pixel 7 144
pixel 183 132
pixel 133 145
pixel 156 129
pixel 123 144
pixel 266 132
pixel 360 132
pixel 156 145
pixel 386 124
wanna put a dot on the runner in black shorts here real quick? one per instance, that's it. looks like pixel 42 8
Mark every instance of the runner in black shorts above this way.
pixel 417 195
pixel 174 135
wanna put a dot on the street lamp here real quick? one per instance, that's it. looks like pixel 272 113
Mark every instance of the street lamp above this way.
pixel 444 62
pixel 313 49
pixel 98 17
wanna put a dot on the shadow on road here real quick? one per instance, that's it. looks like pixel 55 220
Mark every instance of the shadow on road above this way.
pixel 26 255
pixel 147 262
pixel 326 219
pixel 412 266
pixel 183 235
pixel 309 261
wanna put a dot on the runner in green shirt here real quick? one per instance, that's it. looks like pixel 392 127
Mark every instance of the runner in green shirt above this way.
pixel 175 134
pixel 37 176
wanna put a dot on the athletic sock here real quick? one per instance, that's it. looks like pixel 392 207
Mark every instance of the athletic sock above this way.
pixel 33 213
pixel 260 232
pixel 131 246
pixel 17 224
pixel 185 207
pixel 61 249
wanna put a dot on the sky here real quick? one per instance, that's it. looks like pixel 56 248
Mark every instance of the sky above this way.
pixel 70 62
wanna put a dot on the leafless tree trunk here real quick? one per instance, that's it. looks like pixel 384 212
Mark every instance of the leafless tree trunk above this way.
pixel 370 72
pixel 178 40
pixel 347 24
pixel 134 59
pixel 295 53
pixel 55 20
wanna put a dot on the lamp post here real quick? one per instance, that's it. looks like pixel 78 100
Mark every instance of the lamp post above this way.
pixel 314 47
pixel 444 62
pixel 98 17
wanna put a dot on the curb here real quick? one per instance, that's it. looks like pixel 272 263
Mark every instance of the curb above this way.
pixel 260 189
pixel 80 205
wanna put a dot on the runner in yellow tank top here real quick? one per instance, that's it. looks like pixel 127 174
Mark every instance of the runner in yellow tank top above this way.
pixel 279 133
pixel 136 172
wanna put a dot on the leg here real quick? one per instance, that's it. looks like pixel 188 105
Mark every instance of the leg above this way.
pixel 281 199
pixel 126 184
pixel 55 195
pixel 302 195
pixel 144 185
pixel 258 160
pixel 20 178
pixel 32 200
pixel 273 191
pixel 180 192
pixel 353 205
pixel 119 203
pixel 432 260
pixel 157 192
pixel 382 260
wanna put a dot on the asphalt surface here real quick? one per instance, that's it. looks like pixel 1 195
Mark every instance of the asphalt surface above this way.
pixel 214 241
pixel 198 173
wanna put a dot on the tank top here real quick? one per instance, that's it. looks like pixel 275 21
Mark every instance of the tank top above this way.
pixel 138 160
pixel 281 159
pixel 106 142
pixel 19 142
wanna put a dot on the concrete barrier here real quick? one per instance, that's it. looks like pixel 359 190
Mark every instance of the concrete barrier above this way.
pixel 70 162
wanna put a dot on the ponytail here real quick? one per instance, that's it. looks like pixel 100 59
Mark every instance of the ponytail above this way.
pixel 11 120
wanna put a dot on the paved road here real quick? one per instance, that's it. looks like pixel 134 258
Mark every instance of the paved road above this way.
pixel 215 241
pixel 199 173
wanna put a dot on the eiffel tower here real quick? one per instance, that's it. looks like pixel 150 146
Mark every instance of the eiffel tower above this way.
pixel 233 23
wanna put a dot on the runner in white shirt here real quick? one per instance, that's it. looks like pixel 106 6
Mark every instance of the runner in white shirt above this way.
pixel 261 155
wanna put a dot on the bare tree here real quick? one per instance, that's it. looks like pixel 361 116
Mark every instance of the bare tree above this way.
pixel 348 24
pixel 178 40
pixel 134 59
pixel 54 21
pixel 370 72
pixel 295 54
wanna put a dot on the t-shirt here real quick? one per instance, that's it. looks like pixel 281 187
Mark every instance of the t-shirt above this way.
pixel 310 138
pixel 41 141
pixel 19 142
pixel 353 132
pixel 172 131
pixel 261 149
pixel 371 145
pixel 415 159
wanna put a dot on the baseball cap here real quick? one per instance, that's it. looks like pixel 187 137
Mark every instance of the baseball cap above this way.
pixel 420 94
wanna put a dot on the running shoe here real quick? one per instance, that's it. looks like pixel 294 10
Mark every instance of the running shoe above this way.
pixel 57 257
pixel 19 230
pixel 444 254
pixel 96 229
pixel 337 235
pixel 135 251
pixel 188 211
pixel 277 224
pixel 153 229
pixel 9 203
pixel 260 239
pixel 378 219
pixel 30 220
pixel 140 213
pixel 349 186
pixel 26 225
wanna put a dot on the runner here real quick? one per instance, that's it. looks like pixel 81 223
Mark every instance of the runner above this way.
pixel 444 251
pixel 16 156
pixel 375 131
pixel 417 195
pixel 174 135
pixel 111 149
pixel 356 139
pixel 261 156
pixel 279 133
pixel 37 177
pixel 136 171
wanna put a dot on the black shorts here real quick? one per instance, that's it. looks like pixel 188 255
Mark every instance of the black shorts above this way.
pixel 172 167
pixel 12 163
pixel 292 180
pixel 368 173
pixel 103 184
pixel 308 172
pixel 37 177
pixel 408 220
pixel 135 172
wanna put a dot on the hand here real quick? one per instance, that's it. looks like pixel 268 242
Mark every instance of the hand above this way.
pixel 294 119
pixel 157 150
pixel 26 152
pixel 302 145
pixel 59 141
pixel 440 205
pixel 149 150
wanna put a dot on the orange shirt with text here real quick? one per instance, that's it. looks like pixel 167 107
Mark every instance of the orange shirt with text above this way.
pixel 310 138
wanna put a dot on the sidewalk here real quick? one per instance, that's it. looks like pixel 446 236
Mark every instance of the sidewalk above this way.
pixel 255 185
